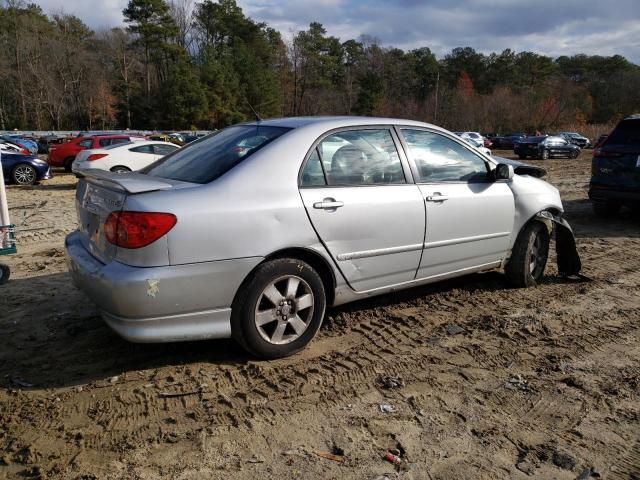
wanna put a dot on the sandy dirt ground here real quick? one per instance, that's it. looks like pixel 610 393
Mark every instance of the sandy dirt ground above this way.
pixel 535 383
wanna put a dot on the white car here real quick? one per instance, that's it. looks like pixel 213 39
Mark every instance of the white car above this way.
pixel 9 147
pixel 123 157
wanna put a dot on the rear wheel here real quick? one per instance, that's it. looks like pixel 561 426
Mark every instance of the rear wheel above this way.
pixel 68 162
pixel 120 169
pixel 529 256
pixel 574 154
pixel 24 174
pixel 279 309
pixel 544 155
pixel 606 209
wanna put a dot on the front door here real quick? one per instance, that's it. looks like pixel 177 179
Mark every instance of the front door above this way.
pixel 469 216
pixel 369 218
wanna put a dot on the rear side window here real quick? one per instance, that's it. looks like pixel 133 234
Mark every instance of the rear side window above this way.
pixel 313 174
pixel 105 142
pixel 207 159
pixel 626 133
pixel 86 143
pixel 164 149
pixel 361 157
pixel 142 149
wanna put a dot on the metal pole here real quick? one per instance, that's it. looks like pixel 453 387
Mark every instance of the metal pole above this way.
pixel 4 205
pixel 435 114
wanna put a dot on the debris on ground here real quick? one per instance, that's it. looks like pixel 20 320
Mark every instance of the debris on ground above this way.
pixel 386 408
pixel 454 329
pixel 329 456
pixel 395 459
pixel 517 382
pixel 390 382
pixel 256 459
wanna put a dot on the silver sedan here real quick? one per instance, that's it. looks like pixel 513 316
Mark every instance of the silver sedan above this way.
pixel 252 231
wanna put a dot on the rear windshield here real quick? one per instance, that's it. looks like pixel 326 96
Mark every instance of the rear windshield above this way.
pixel 626 133
pixel 210 157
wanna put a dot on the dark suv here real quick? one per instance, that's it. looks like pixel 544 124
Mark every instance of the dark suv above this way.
pixel 545 147
pixel 615 169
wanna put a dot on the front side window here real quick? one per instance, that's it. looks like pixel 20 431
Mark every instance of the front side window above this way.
pixel 104 142
pixel 440 159
pixel 209 158
pixel 86 143
pixel 361 157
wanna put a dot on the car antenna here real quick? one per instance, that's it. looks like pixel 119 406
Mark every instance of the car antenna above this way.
pixel 258 119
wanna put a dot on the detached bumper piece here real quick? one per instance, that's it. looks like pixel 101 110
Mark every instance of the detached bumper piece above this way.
pixel 568 259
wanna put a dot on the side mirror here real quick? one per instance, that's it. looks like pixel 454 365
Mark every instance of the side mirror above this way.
pixel 503 172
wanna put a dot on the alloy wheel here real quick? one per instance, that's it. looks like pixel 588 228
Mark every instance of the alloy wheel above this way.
pixel 284 310
pixel 24 174
pixel 536 257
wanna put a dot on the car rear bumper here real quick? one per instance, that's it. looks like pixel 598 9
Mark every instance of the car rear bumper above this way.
pixel 160 304
pixel 606 193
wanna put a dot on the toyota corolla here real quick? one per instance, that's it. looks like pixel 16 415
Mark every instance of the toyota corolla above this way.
pixel 253 231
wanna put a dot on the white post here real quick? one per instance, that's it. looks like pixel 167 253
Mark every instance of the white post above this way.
pixel 4 205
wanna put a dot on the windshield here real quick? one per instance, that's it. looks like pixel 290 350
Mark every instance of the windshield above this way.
pixel 207 159
pixel 626 133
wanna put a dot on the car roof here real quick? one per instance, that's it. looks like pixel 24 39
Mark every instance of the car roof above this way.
pixel 331 122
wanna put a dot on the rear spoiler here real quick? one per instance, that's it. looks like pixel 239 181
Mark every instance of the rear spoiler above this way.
pixel 132 182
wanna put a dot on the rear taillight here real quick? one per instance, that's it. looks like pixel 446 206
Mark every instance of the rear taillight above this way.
pixel 25 151
pixel 137 229
pixel 96 156
pixel 599 152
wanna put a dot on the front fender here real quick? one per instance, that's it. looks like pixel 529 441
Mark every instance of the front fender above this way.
pixel 568 259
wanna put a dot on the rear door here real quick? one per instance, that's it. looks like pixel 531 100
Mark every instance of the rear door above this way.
pixel 357 193
pixel 469 217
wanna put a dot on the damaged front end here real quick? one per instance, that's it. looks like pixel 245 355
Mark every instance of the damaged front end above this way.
pixel 568 259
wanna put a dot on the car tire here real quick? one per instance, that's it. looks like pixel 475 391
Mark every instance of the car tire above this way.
pixel 544 155
pixel 606 209
pixel 529 256
pixel 68 163
pixel 24 174
pixel 278 309
pixel 575 154
pixel 120 169
pixel 5 273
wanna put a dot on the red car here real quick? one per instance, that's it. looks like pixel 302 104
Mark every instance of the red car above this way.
pixel 63 154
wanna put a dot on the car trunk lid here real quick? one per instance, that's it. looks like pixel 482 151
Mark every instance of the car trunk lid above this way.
pixel 100 193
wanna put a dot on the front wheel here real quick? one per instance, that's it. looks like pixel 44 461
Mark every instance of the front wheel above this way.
pixel 24 174
pixel 529 256
pixel 5 273
pixel 544 155
pixel 575 154
pixel 279 309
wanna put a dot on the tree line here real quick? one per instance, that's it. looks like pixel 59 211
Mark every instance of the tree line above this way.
pixel 183 64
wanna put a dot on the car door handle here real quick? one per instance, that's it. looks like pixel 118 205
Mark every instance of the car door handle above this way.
pixel 436 198
pixel 328 204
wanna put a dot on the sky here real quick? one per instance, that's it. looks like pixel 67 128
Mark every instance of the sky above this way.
pixel 549 27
